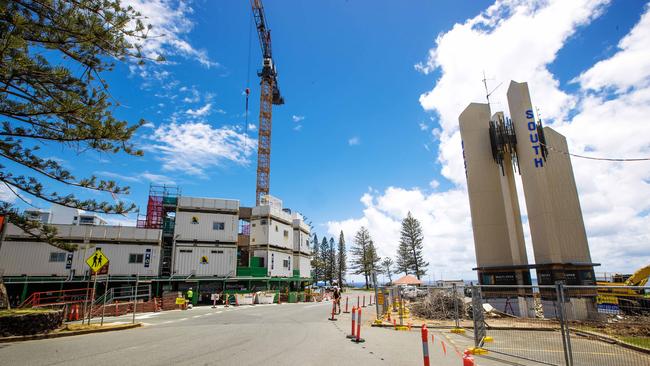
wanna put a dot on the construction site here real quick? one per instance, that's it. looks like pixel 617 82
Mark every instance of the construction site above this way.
pixel 216 280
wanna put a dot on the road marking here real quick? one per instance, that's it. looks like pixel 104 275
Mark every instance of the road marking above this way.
pixel 180 320
pixel 196 316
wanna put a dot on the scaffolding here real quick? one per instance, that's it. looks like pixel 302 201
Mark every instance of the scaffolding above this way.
pixel 161 214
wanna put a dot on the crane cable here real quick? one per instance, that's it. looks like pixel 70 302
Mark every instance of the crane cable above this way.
pixel 593 157
pixel 248 80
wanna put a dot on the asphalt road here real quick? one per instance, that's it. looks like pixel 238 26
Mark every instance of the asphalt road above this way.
pixel 286 334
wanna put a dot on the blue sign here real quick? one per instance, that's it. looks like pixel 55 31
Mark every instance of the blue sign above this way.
pixel 534 138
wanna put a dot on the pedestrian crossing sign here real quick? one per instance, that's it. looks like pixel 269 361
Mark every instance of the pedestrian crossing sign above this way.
pixel 96 261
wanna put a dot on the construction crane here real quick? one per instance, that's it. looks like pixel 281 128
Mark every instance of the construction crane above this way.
pixel 269 95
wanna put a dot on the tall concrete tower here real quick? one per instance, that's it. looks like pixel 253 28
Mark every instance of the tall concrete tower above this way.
pixel 554 215
pixel 496 218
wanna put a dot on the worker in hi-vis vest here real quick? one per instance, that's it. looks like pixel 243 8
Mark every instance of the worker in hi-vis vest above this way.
pixel 190 293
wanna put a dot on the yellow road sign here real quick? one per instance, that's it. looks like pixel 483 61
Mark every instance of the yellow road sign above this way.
pixel 97 260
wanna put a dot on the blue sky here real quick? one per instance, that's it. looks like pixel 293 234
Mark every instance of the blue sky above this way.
pixel 373 90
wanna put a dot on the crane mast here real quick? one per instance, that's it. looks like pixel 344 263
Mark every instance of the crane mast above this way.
pixel 269 95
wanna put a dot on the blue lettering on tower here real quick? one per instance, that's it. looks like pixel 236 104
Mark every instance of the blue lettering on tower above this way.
pixel 534 138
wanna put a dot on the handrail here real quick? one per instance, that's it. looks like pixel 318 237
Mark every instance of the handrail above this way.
pixel 46 298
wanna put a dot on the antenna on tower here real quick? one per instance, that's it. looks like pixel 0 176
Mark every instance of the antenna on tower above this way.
pixel 488 93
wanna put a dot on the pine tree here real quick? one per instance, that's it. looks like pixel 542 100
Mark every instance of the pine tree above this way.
pixel 403 258
pixel 341 260
pixel 412 240
pixel 331 261
pixel 315 260
pixel 373 259
pixel 387 268
pixel 324 259
pixel 62 99
pixel 364 255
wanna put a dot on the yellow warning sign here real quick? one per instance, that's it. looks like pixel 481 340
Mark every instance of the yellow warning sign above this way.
pixel 380 299
pixel 180 301
pixel 97 260
pixel 204 260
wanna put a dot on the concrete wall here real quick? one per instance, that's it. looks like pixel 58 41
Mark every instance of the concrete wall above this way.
pixel 496 219
pixel 33 259
pixel 554 214
pixel 222 260
pixel 200 226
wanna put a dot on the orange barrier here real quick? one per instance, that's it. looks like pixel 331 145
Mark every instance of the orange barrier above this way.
pixel 425 344
pixel 333 311
pixel 351 335
pixel 468 360
pixel 358 339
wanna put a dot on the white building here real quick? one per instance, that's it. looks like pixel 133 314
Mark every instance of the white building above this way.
pixel 272 237
pixel 301 251
pixel 129 250
pixel 62 215
pixel 205 237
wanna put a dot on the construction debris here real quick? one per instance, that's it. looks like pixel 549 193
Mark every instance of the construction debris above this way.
pixel 441 305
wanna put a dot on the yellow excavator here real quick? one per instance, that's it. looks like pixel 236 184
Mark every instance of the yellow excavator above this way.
pixel 629 300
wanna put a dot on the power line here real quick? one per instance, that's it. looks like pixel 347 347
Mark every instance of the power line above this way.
pixel 593 157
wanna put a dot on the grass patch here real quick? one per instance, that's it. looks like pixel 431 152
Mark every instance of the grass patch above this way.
pixel 16 312
pixel 643 342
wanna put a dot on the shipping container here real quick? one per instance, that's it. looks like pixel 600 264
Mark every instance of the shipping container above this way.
pixel 278 263
pixel 303 264
pixel 301 236
pixel 206 227
pixel 207 204
pixel 206 260
pixel 18 258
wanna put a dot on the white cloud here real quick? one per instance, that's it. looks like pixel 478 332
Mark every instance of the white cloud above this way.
pixel 200 112
pixel 297 118
pixel 192 147
pixel 444 222
pixel 354 141
pixel 520 43
pixel 633 54
pixel 297 128
pixel 171 24
pixel 149 125
pixel 423 126
pixel 252 127
pixel 145 176
pixel 434 184
pixel 615 197
pixel 6 195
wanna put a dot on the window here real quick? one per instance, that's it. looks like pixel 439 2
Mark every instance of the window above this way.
pixel 285 263
pixel 136 258
pixel 286 233
pixel 186 250
pixel 217 251
pixel 263 222
pixel 276 228
pixel 218 226
pixel 57 257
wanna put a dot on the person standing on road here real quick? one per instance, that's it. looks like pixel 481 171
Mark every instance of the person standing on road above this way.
pixel 190 294
pixel 337 298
